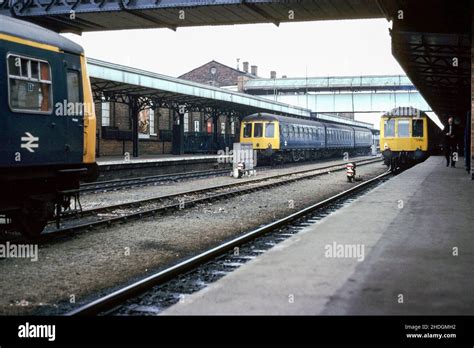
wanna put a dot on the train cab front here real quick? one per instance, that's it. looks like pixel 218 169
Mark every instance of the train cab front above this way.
pixel 263 134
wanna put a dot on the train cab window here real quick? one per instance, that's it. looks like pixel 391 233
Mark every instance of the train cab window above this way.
pixel 247 132
pixel 269 130
pixel 417 128
pixel 403 128
pixel 258 130
pixel 30 84
pixel 389 128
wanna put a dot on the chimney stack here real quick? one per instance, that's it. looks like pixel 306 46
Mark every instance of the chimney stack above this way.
pixel 273 74
pixel 254 70
pixel 246 67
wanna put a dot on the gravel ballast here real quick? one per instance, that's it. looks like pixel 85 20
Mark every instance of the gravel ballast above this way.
pixel 76 269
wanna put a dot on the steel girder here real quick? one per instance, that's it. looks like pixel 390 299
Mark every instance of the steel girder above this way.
pixel 439 66
pixel 90 15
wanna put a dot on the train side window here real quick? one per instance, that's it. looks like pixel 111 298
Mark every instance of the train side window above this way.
pixel 258 130
pixel 269 130
pixel 247 130
pixel 29 85
pixel 389 128
pixel 403 128
pixel 73 91
pixel 417 128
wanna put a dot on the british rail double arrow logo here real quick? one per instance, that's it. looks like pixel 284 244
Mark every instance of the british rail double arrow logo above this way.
pixel 29 142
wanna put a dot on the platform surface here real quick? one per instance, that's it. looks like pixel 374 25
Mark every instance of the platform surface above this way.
pixel 109 160
pixel 418 240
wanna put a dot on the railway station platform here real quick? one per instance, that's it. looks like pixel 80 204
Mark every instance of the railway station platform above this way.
pixel 115 167
pixel 415 239
pixel 111 160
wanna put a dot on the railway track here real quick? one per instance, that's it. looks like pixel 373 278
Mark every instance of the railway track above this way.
pixel 167 286
pixel 116 184
pixel 120 213
pixel 108 215
pixel 125 183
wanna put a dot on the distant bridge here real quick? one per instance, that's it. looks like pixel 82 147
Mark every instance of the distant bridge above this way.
pixel 356 94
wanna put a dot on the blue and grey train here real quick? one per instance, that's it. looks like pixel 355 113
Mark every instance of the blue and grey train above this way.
pixel 288 139
pixel 47 125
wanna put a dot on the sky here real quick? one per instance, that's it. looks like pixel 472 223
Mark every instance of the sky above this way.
pixel 323 48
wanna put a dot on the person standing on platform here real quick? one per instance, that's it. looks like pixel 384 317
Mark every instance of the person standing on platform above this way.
pixel 450 143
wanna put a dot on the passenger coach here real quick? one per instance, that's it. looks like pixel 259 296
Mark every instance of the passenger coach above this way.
pixel 287 139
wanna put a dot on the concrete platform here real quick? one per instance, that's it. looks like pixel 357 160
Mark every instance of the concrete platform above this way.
pixel 113 160
pixel 407 227
pixel 115 167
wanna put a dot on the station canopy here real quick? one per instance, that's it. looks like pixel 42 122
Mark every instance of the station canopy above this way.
pixel 120 83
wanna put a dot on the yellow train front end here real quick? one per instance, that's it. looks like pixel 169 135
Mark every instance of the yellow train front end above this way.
pixel 404 139
pixel 263 132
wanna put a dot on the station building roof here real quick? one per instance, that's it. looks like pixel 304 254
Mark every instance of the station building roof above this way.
pixel 111 78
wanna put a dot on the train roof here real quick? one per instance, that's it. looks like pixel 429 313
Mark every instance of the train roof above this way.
pixel 405 111
pixel 28 31
pixel 362 129
pixel 270 117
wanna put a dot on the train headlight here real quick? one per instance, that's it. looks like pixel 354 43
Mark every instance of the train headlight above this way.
pixel 385 146
pixel 269 146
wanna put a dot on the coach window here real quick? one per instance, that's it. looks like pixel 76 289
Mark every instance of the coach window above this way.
pixel 389 128
pixel 29 84
pixel 269 130
pixel 403 128
pixel 258 130
pixel 247 130
pixel 417 128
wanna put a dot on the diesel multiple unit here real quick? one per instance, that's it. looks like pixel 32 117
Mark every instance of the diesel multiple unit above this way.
pixel 47 124
pixel 287 139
